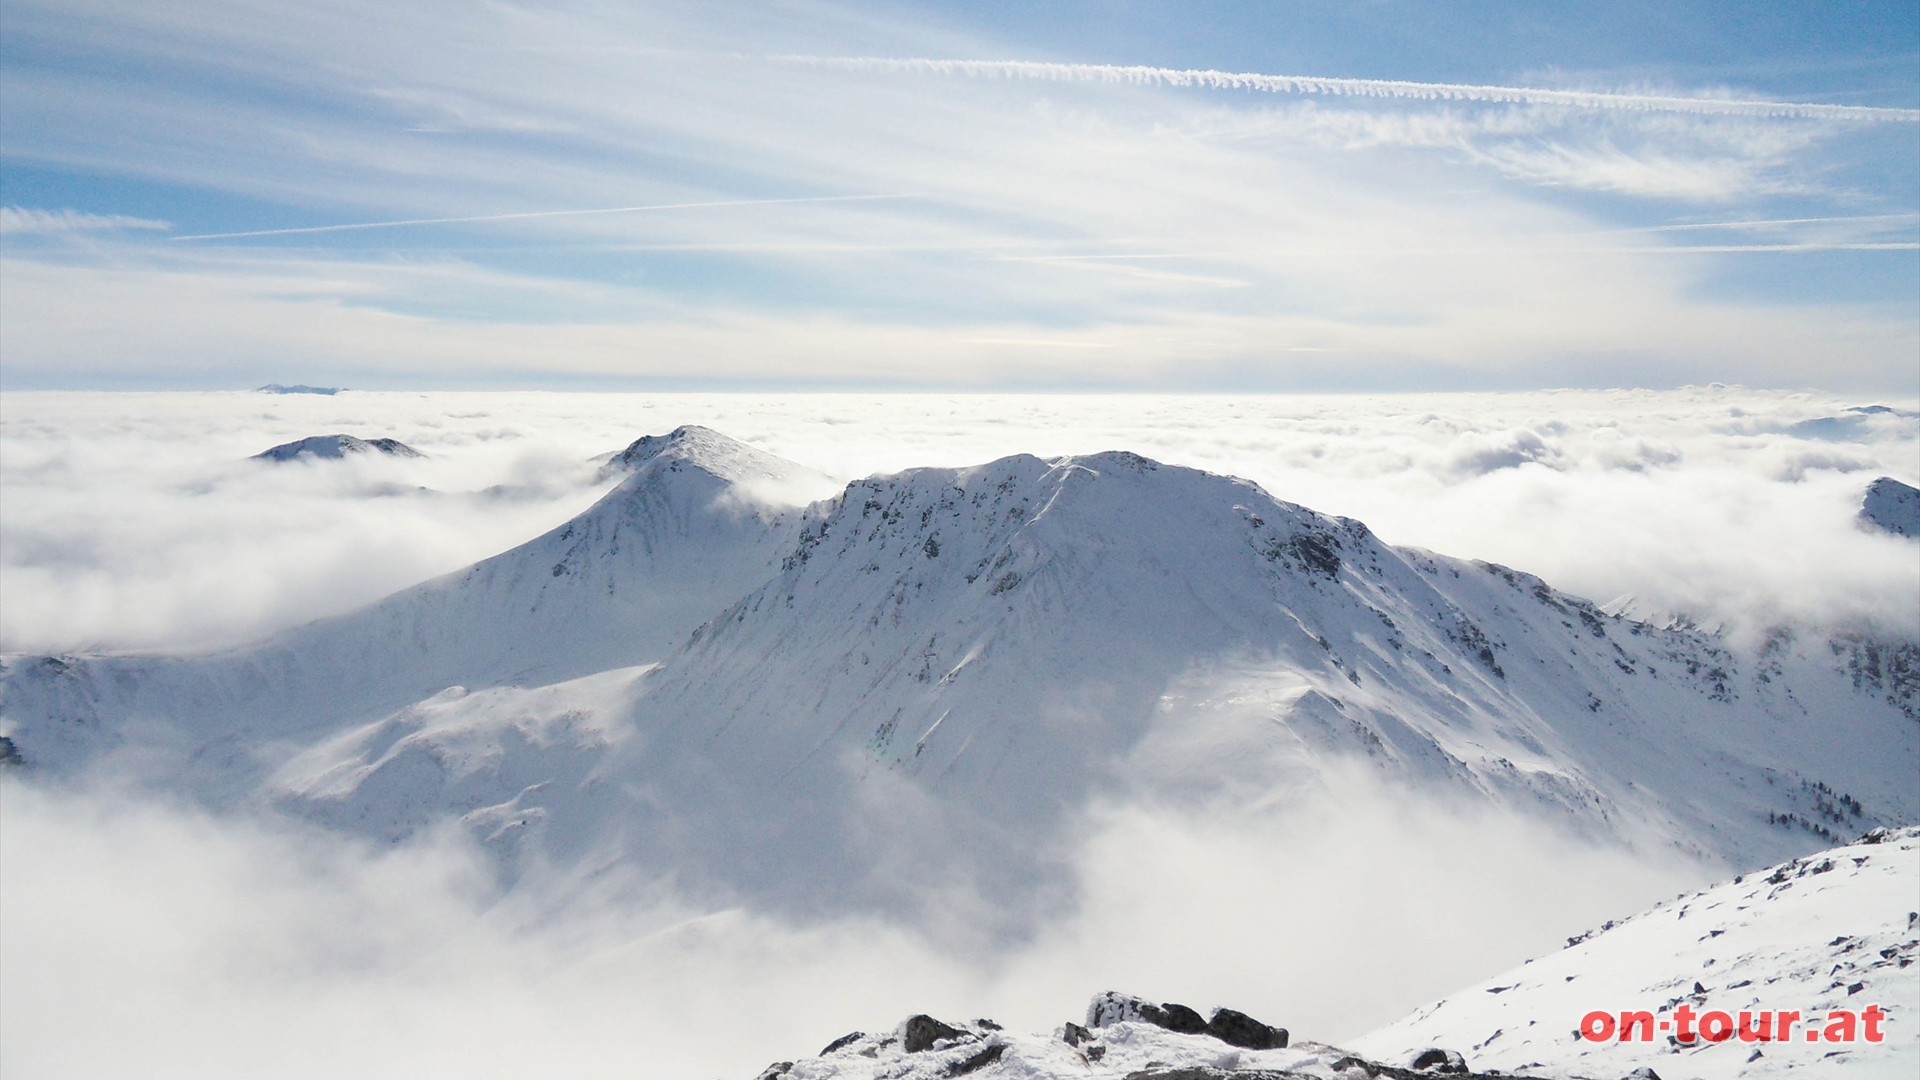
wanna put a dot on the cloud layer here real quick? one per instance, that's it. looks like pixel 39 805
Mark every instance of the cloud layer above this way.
pixel 134 521
pixel 243 946
pixel 249 945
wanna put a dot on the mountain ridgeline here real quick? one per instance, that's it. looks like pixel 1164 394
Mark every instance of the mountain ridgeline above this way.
pixel 796 705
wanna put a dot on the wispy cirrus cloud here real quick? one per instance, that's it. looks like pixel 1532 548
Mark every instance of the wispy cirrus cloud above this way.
pixel 1142 75
pixel 485 200
pixel 24 221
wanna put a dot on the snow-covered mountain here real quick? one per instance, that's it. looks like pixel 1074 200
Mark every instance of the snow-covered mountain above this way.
pixel 929 679
pixel 684 534
pixel 335 446
pixel 1892 506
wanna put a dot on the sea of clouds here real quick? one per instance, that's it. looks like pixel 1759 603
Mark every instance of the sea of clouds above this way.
pixel 147 935
pixel 135 521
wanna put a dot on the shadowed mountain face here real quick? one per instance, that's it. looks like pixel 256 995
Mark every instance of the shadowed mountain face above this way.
pixel 917 691
pixel 335 446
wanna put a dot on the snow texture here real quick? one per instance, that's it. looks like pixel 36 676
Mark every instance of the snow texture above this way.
pixel 916 689
pixel 1892 506
pixel 1761 941
pixel 1833 930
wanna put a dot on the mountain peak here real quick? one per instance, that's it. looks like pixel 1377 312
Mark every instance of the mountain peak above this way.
pixel 335 446
pixel 722 457
pixel 1891 506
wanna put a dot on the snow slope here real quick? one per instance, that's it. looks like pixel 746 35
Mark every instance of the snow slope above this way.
pixel 688 530
pixel 915 692
pixel 1892 506
pixel 1764 941
pixel 1834 930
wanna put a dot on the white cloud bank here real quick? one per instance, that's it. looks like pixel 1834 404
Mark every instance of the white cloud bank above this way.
pixel 150 939
pixel 133 521
pixel 250 946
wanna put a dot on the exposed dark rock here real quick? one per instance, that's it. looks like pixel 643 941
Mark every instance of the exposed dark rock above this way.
pixel 1375 1070
pixel 922 1031
pixel 978 1061
pixel 1440 1062
pixel 774 1071
pixel 9 753
pixel 1182 1019
pixel 1210 1073
pixel 1074 1034
pixel 1645 1072
pixel 843 1042
pixel 1111 1007
pixel 1315 553
pixel 1238 1029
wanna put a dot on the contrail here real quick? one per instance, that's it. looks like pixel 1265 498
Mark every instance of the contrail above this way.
pixel 524 215
pixel 1373 88
pixel 1777 222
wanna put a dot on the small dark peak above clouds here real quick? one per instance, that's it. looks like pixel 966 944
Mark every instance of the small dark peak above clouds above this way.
pixel 1891 506
pixel 336 446
pixel 298 388
pixel 1854 424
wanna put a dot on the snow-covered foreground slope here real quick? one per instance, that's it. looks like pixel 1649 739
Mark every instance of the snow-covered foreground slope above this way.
pixel 1834 931
pixel 1838 930
pixel 913 696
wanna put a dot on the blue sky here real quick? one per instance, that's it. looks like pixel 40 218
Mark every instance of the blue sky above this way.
pixel 782 195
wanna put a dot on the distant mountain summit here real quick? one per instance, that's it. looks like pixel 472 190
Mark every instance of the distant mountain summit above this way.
pixel 727 459
pixel 1892 506
pixel 336 446
pixel 298 388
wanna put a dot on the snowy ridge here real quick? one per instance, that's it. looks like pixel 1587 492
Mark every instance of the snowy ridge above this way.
pixel 618 586
pixel 1834 930
pixel 792 705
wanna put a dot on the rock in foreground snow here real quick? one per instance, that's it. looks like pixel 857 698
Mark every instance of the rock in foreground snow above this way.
pixel 1832 931
pixel 1125 1038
